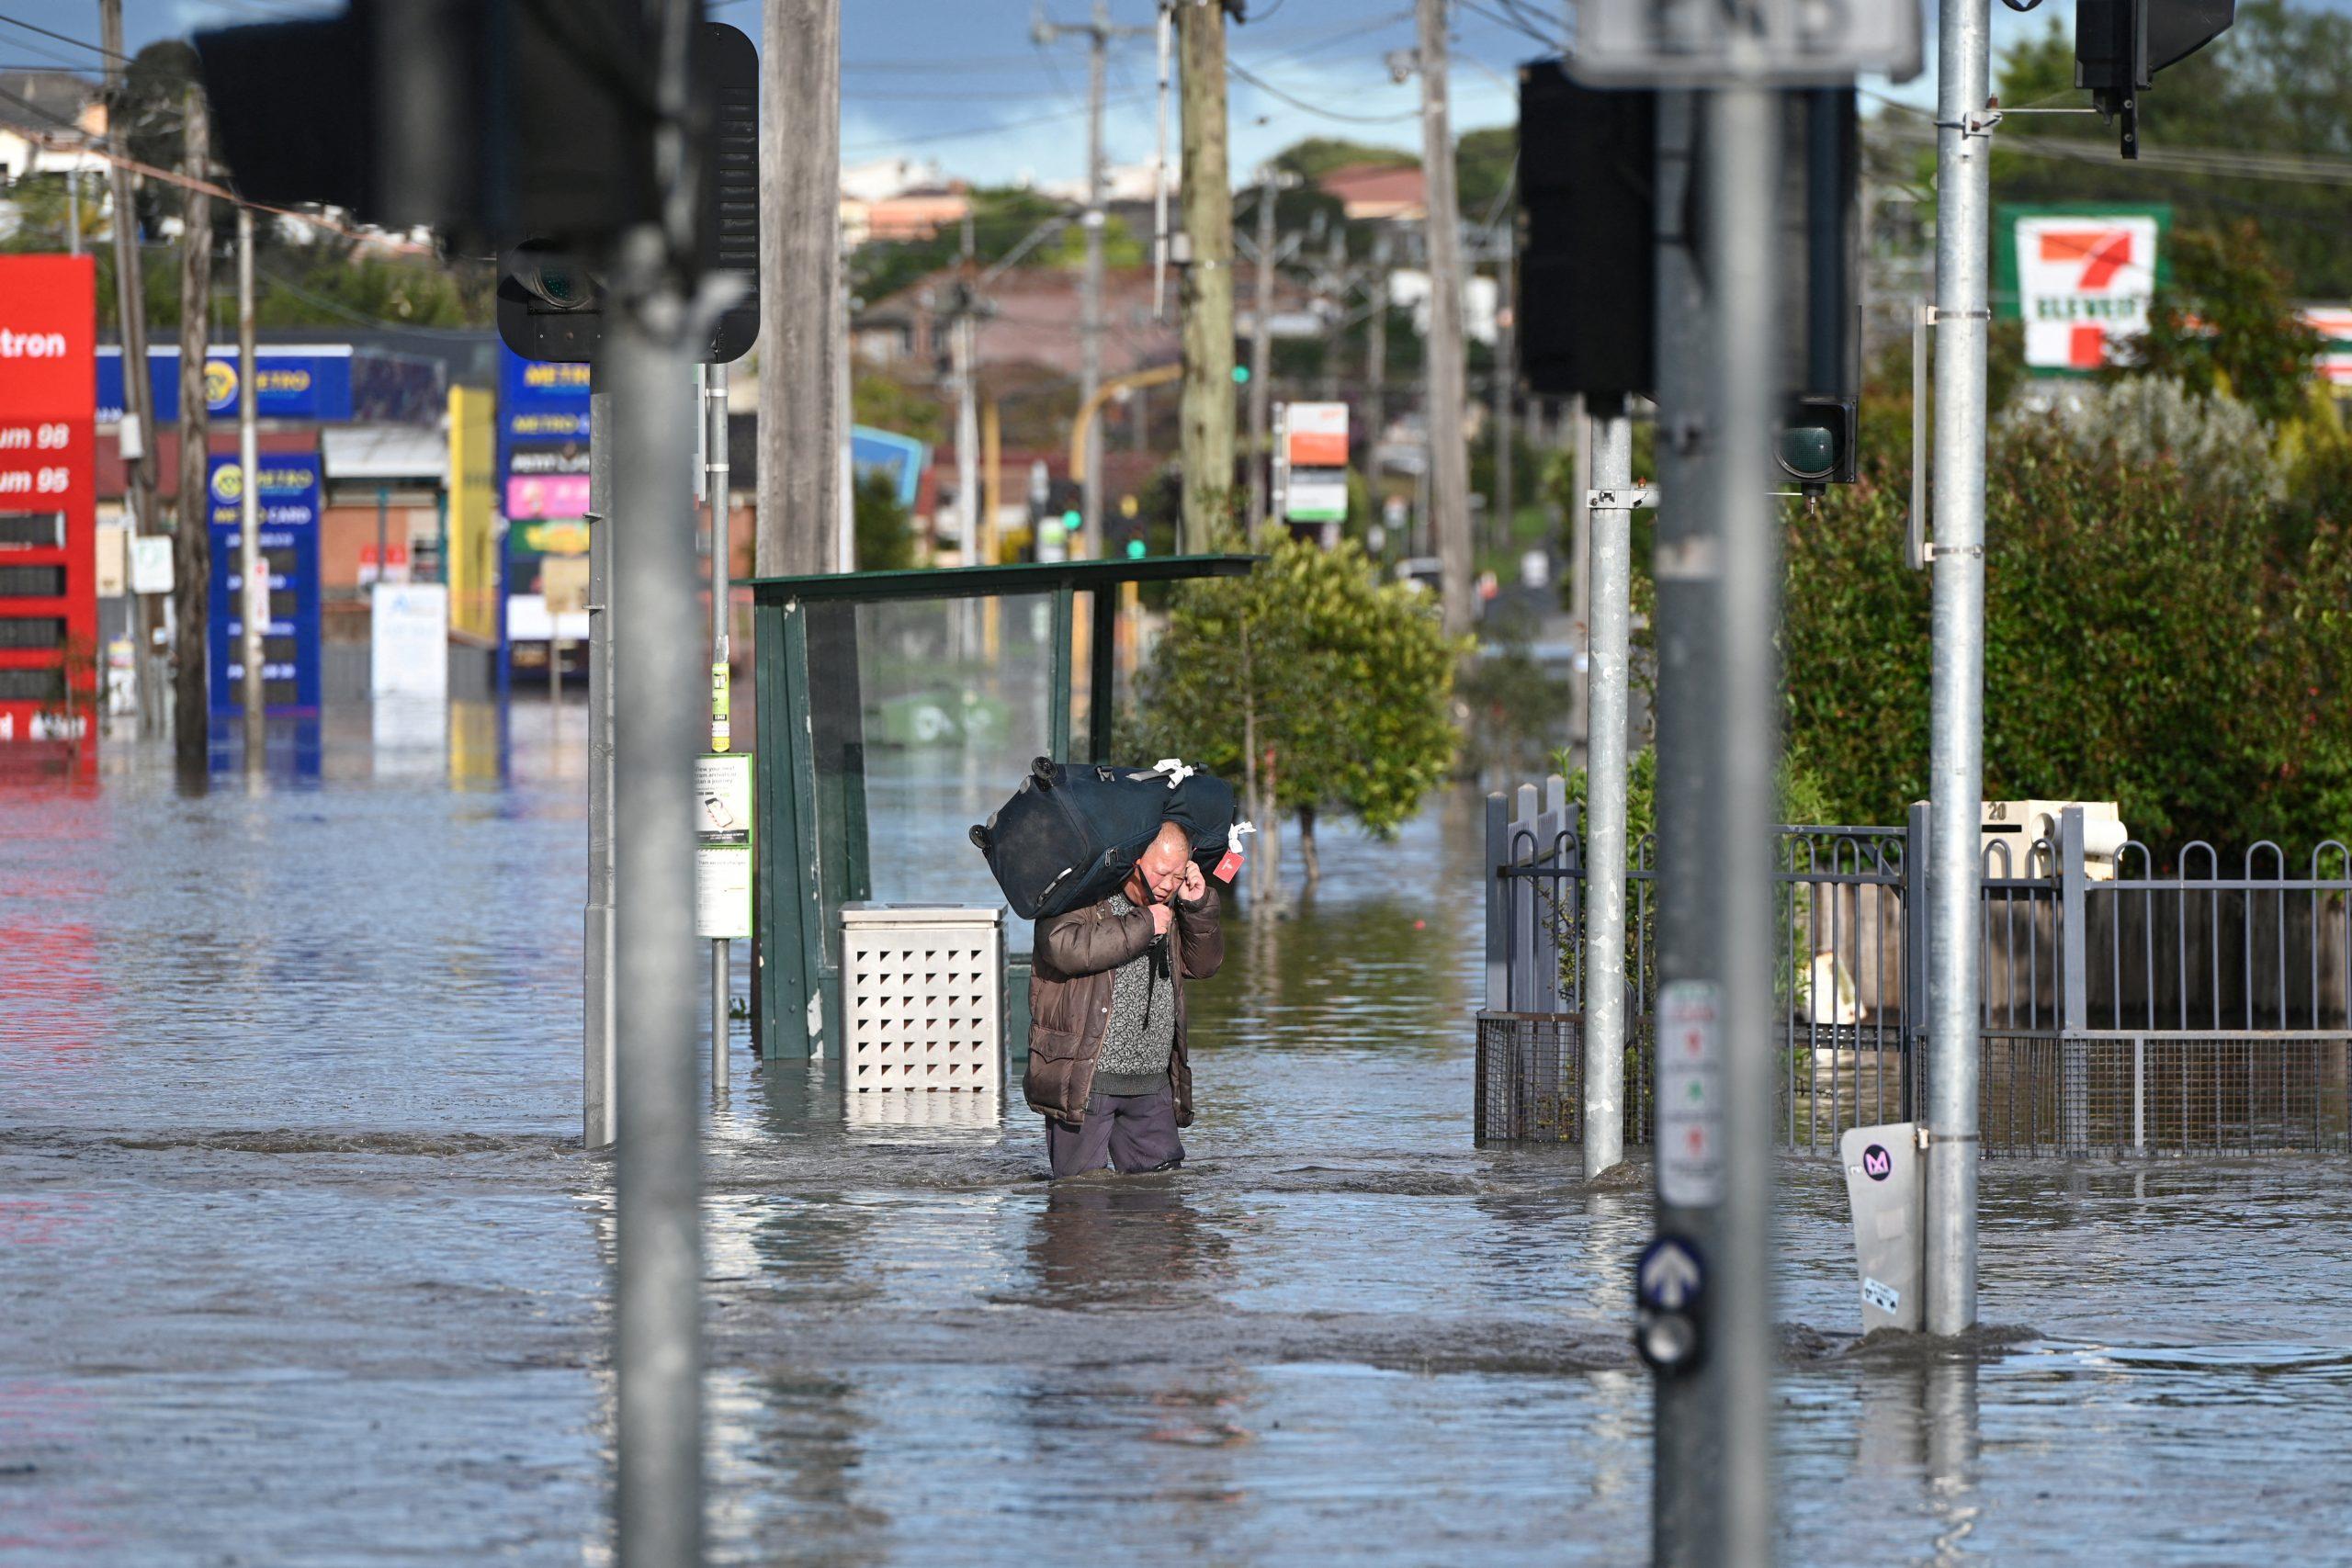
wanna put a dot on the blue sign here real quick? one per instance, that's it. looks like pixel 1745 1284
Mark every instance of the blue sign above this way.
pixel 311 384
pixel 541 402
pixel 1670 1276
pixel 883 451
pixel 290 548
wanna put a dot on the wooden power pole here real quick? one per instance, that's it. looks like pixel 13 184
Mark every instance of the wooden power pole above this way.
pixel 1446 377
pixel 192 535
pixel 1207 447
pixel 138 427
pixel 801 327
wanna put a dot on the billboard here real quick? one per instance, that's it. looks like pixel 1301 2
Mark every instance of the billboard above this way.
pixel 49 610
pixel 308 382
pixel 2081 278
pixel 289 552
pixel 542 488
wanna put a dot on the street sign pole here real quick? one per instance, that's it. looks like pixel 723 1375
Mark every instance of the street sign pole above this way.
pixel 600 1104
pixel 715 482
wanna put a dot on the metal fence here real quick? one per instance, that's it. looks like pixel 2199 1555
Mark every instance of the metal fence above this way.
pixel 2134 1012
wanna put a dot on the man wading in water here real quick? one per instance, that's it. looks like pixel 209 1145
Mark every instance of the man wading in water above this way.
pixel 1106 1015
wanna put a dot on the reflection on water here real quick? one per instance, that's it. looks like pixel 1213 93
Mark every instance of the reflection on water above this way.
pixel 295 1231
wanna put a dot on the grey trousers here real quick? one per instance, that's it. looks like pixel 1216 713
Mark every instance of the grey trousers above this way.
pixel 1126 1132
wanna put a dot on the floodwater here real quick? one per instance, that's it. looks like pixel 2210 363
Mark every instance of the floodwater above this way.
pixel 301 1260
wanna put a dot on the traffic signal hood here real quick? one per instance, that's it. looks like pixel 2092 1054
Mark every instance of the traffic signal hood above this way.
pixel 2119 45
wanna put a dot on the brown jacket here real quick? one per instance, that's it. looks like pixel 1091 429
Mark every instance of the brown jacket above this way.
pixel 1069 997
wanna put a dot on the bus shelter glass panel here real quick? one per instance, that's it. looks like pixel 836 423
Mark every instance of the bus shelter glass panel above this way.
pixel 955 699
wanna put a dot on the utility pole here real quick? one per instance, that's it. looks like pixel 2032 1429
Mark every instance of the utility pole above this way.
pixel 1376 366
pixel 253 577
pixel 1448 458
pixel 1956 738
pixel 1207 445
pixel 963 350
pixel 801 330
pixel 191 540
pixel 74 212
pixel 1098 33
pixel 1506 509
pixel 138 428
pixel 1261 339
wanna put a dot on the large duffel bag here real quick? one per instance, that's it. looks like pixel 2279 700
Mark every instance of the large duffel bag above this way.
pixel 1073 830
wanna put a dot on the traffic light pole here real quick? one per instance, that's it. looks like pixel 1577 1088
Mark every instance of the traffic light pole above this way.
pixel 1703 1284
pixel 1956 742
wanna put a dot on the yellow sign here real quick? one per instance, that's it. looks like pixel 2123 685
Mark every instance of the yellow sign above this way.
pixel 228 484
pixel 473 540
pixel 219 382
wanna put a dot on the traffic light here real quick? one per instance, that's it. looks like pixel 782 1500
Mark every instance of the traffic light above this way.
pixel 1816 444
pixel 550 302
pixel 1588 291
pixel 1242 375
pixel 506 125
pixel 488 120
pixel 2119 45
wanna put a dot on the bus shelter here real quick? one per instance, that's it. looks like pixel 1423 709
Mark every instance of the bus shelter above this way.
pixel 895 710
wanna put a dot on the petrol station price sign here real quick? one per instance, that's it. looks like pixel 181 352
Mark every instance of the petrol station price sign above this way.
pixel 49 607
pixel 290 553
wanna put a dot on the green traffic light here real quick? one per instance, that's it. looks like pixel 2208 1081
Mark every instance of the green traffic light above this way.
pixel 1072 520
pixel 1808 452
pixel 1136 550
pixel 1240 374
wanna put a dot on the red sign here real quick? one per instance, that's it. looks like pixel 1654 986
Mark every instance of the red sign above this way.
pixel 49 607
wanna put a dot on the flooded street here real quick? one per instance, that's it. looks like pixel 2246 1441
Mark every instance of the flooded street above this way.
pixel 301 1261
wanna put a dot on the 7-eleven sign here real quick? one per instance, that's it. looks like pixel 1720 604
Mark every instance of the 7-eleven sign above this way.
pixel 2082 283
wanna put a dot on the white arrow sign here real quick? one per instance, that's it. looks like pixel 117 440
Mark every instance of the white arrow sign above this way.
pixel 1669 1274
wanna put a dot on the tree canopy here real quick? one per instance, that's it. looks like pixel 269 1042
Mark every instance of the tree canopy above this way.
pixel 1341 683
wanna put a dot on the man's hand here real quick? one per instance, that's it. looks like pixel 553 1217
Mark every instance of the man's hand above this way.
pixel 1162 916
pixel 1194 887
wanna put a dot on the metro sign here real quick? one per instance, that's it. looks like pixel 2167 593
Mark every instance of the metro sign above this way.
pixel 2082 281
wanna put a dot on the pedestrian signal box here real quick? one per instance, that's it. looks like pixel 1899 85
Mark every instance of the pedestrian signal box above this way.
pixel 49 606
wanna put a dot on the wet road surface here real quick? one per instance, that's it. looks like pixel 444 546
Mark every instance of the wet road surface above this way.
pixel 301 1260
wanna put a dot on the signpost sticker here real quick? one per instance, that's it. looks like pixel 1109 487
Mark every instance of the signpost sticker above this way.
pixel 1690 1094
pixel 1886 1298
pixel 1877 1164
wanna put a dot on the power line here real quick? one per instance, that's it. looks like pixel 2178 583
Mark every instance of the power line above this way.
pixel 61 38
pixel 1236 69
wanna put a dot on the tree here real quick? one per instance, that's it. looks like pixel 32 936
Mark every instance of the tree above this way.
pixel 2226 322
pixel 885 536
pixel 2149 639
pixel 1314 683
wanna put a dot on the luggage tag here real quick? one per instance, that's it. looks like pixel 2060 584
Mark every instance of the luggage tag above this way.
pixel 1230 866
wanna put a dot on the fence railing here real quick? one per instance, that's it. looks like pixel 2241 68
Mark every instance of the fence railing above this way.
pixel 2136 1012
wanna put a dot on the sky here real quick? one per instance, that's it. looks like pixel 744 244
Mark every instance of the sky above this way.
pixel 961 83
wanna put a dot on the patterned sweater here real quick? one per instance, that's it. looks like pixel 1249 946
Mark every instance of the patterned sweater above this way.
pixel 1142 1031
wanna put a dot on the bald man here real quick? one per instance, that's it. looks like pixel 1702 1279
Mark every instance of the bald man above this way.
pixel 1107 1066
